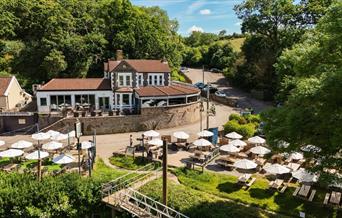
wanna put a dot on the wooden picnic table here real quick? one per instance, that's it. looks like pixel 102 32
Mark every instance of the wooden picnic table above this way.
pixel 304 190
pixel 9 167
pixel 335 197
pixel 277 183
pixel 245 177
pixel 260 161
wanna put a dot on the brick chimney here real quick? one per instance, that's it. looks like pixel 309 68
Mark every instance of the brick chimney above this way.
pixel 119 55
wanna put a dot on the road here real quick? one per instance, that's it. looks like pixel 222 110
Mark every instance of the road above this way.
pixel 245 100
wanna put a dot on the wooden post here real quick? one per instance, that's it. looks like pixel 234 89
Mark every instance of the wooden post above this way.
pixel 164 172
pixel 208 95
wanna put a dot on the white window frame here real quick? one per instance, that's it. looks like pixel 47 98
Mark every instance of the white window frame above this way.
pixel 125 79
pixel 140 79
pixel 119 100
pixel 156 79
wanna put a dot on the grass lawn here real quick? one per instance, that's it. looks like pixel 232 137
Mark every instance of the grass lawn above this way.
pixel 237 43
pixel 194 203
pixel 225 186
pixel 128 162
pixel 104 173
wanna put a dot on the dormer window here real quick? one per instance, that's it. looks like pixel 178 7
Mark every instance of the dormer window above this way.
pixel 156 79
pixel 124 79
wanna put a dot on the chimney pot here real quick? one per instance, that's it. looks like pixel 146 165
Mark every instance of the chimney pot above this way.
pixel 119 55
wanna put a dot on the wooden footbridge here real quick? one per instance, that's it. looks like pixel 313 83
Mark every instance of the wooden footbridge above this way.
pixel 122 194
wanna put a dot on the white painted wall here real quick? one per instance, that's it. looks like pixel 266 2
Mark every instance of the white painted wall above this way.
pixel 97 93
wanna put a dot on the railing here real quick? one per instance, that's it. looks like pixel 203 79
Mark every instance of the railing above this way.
pixel 11 114
pixel 127 180
pixel 152 207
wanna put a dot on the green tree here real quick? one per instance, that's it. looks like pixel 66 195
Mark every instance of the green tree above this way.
pixel 313 104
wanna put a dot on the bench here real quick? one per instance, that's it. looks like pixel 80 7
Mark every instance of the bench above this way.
pixel 312 195
pixel 296 191
pixel 251 182
pixel 326 198
pixel 283 189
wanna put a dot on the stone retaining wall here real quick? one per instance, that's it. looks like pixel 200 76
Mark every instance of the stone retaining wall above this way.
pixel 150 118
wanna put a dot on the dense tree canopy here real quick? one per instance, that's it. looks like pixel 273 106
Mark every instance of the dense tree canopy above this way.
pixel 311 91
pixel 41 39
pixel 272 27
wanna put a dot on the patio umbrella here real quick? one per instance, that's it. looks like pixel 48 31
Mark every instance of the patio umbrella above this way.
pixel 202 143
pixel 276 169
pixel 296 156
pixel 11 153
pixel 86 145
pixel 21 144
pixel 205 133
pixel 2 143
pixel 181 135
pixel 311 148
pixel 229 148
pixel 63 159
pixel 245 164
pixel 260 150
pixel 283 144
pixel 37 155
pixel 52 145
pixel 52 133
pixel 151 133
pixel 59 137
pixel 256 140
pixel 233 135
pixel 40 136
pixel 157 142
pixel 304 176
pixel 71 134
pixel 238 143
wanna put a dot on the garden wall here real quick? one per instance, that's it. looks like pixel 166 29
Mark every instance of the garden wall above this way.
pixel 150 118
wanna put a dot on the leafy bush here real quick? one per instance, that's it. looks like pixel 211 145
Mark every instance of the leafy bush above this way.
pixel 244 125
pixel 128 162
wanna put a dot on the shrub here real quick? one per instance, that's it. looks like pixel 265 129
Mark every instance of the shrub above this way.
pixel 244 125
pixel 253 118
pixel 238 118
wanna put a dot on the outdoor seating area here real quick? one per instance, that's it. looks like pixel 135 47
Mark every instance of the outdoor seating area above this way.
pixel 51 152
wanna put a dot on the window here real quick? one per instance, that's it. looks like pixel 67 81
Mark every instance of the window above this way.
pixel 60 100
pixel 21 121
pixel 125 99
pixel 85 99
pixel 53 100
pixel 43 102
pixel 125 79
pixel 140 81
pixel 156 79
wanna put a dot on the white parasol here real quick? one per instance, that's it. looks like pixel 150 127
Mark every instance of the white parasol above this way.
pixel 260 150
pixel 59 137
pixel 256 140
pixel 296 156
pixel 202 143
pixel 276 169
pixel 21 144
pixel 181 135
pixel 156 141
pixel 86 145
pixel 63 159
pixel 304 176
pixel 229 148
pixel 311 148
pixel 151 133
pixel 233 135
pixel 41 136
pixel 11 153
pixel 245 164
pixel 2 143
pixel 205 133
pixel 238 143
pixel 52 133
pixel 52 145
pixel 36 155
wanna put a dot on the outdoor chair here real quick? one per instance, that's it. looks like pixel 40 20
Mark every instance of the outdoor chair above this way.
pixel 296 191
pixel 251 182
pixel 326 198
pixel 283 189
pixel 312 195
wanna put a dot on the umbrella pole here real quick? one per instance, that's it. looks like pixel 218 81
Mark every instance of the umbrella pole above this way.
pixel 39 170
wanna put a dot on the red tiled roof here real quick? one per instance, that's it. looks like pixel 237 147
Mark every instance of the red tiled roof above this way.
pixel 77 84
pixel 172 90
pixel 124 89
pixel 141 65
pixel 4 83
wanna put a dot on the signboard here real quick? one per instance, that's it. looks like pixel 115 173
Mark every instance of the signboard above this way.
pixel 78 129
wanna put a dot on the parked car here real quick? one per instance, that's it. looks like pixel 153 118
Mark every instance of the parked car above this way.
pixel 220 94
pixel 212 89
pixel 215 70
pixel 184 70
pixel 199 85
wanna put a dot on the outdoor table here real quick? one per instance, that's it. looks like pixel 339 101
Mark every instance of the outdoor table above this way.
pixel 335 197
pixel 245 177
pixel 293 166
pixel 304 190
pixel 260 161
pixel 9 167
pixel 277 183
pixel 243 155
